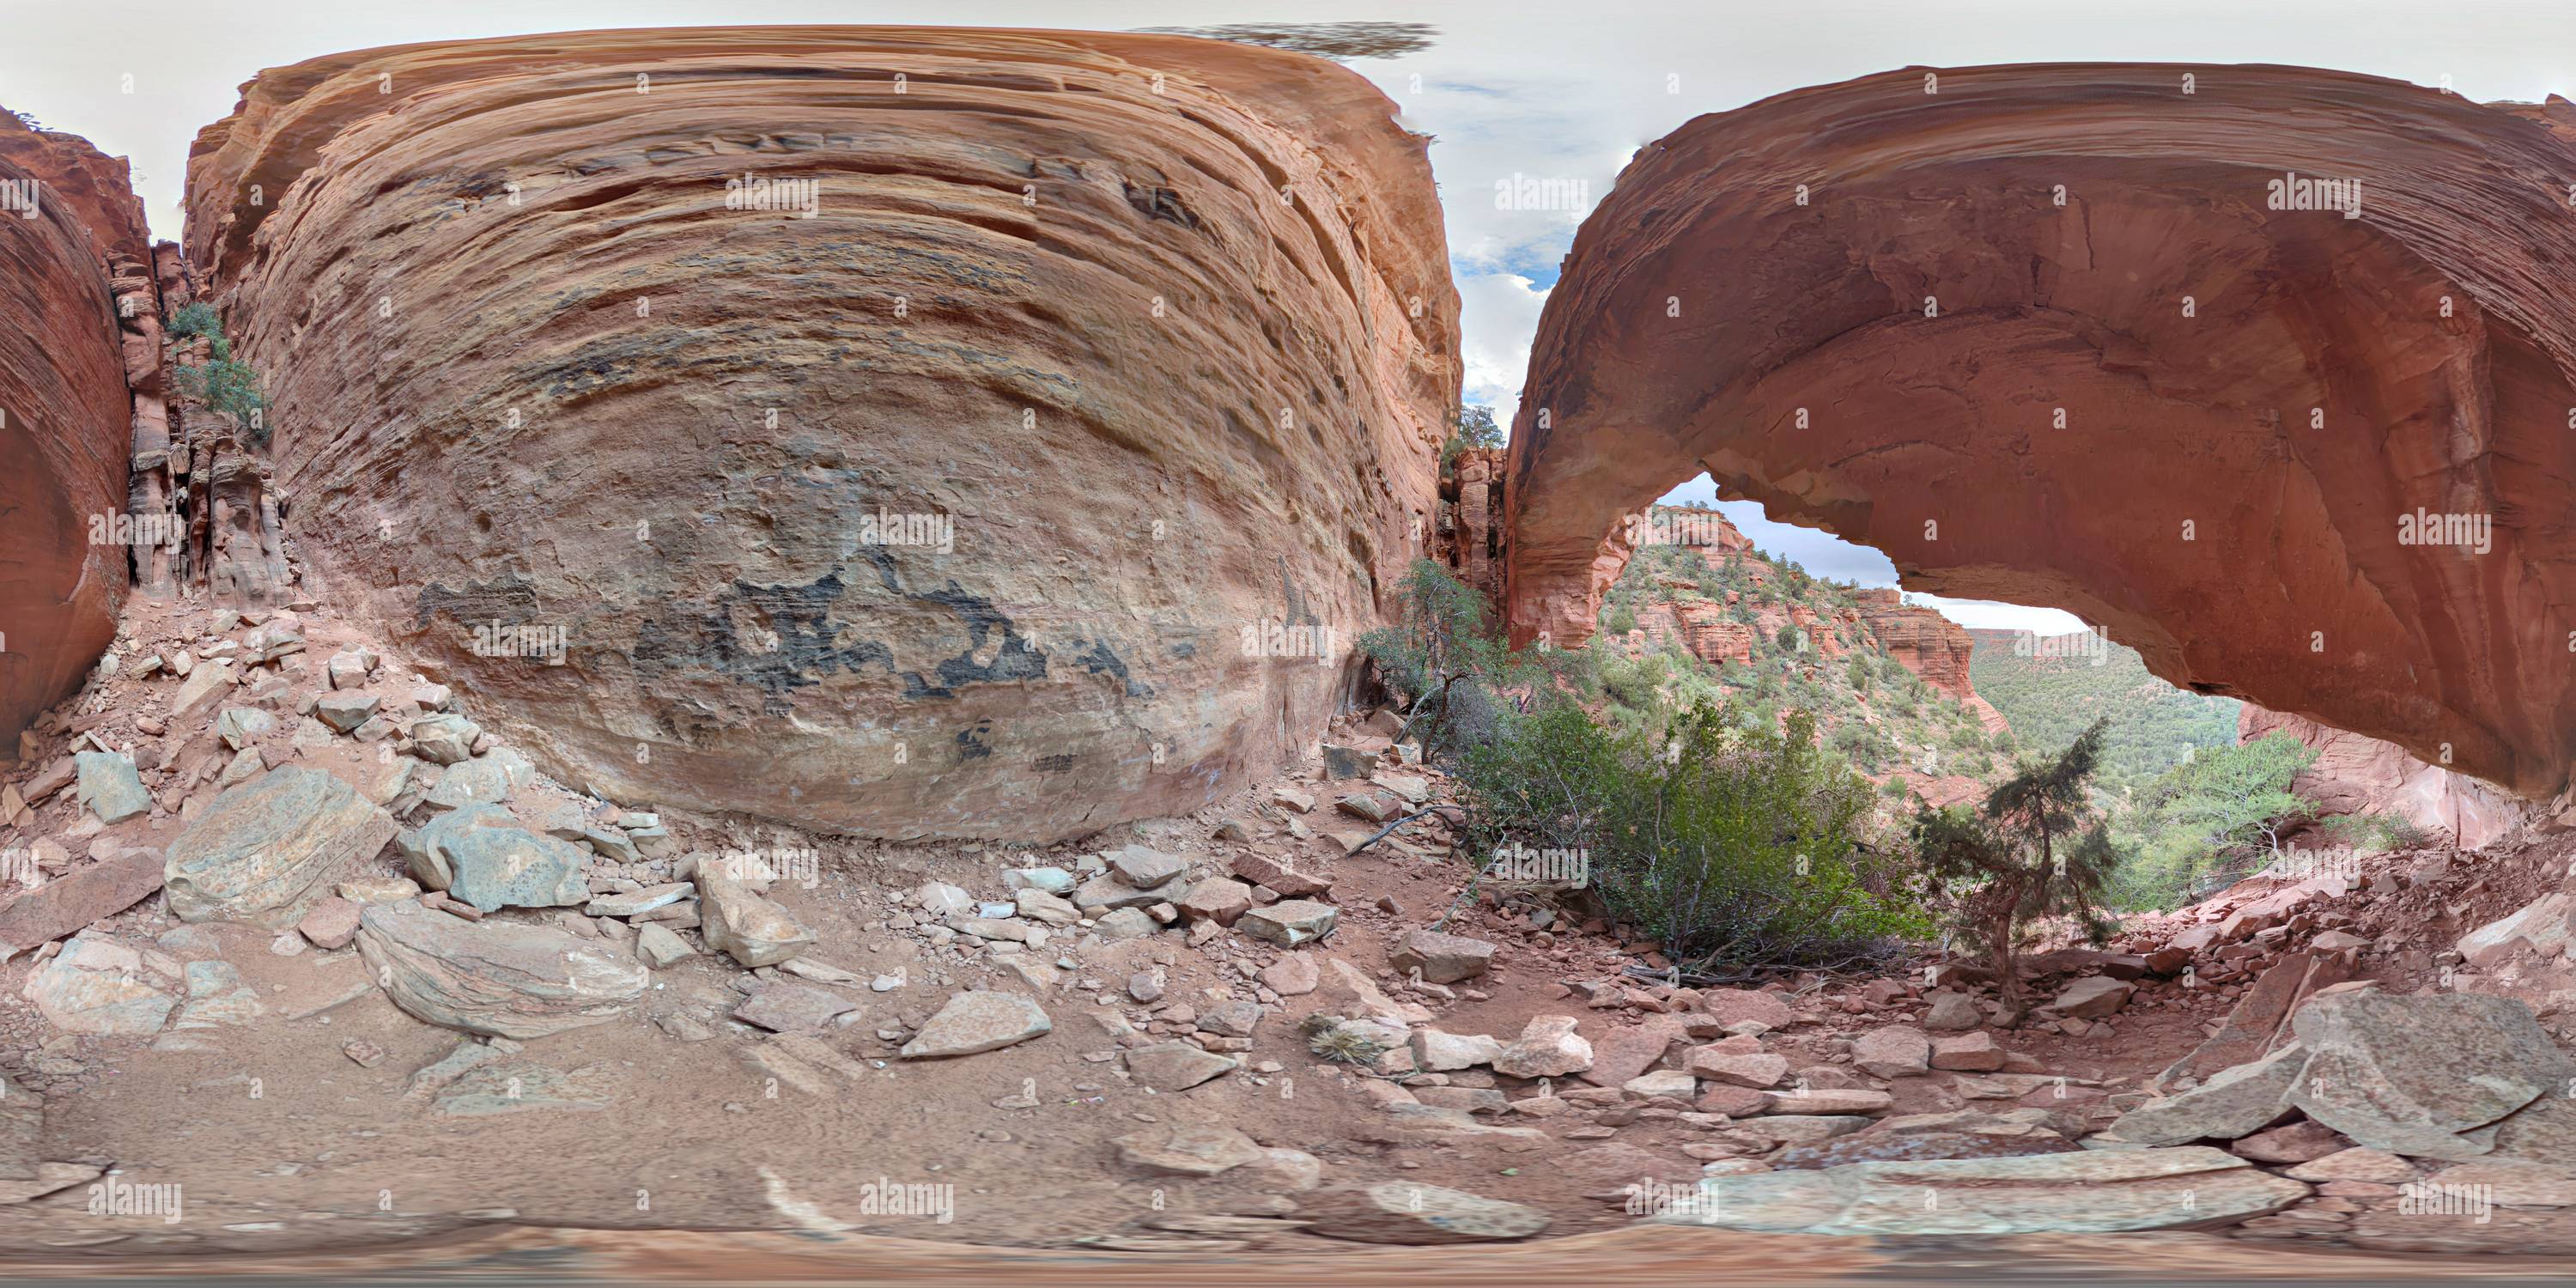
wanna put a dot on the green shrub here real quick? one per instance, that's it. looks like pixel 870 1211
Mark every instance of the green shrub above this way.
pixel 195 320
pixel 227 386
pixel 1732 846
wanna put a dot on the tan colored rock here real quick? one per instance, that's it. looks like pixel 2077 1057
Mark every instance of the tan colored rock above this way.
pixel 1968 1052
pixel 978 1021
pixel 1548 1047
pixel 744 925
pixel 1893 1051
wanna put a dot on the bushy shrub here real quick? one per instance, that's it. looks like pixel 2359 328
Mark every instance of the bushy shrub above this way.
pixel 195 320
pixel 229 387
pixel 1733 846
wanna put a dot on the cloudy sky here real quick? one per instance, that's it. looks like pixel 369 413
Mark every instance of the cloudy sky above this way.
pixel 1560 92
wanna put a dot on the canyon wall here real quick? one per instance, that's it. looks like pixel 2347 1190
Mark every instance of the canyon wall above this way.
pixel 1931 646
pixel 2093 336
pixel 70 233
pixel 896 431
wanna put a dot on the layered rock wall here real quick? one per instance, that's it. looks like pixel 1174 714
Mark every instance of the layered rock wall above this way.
pixel 1934 648
pixel 2093 336
pixel 68 227
pixel 891 430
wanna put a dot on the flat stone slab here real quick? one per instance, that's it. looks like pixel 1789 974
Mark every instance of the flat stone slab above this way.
pixel 2086 1192
pixel 495 978
pixel 1176 1066
pixel 74 902
pixel 2233 1103
pixel 493 863
pixel 793 1008
pixel 267 851
pixel 2410 1074
pixel 1404 1212
pixel 975 1022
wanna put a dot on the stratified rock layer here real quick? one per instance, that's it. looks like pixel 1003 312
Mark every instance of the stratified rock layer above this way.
pixel 1867 305
pixel 65 416
pixel 1156 332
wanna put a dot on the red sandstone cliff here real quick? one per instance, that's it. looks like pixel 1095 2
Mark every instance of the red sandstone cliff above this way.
pixel 1930 645
pixel 67 418
pixel 653 338
pixel 2045 336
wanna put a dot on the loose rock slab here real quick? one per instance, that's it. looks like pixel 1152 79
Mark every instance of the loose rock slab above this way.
pixel 495 978
pixel 2091 1191
pixel 2410 1074
pixel 267 851
pixel 743 924
pixel 978 1021
pixel 1406 1213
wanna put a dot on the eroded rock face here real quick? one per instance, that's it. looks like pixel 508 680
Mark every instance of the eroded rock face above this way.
pixel 65 416
pixel 1933 647
pixel 2254 396
pixel 2356 774
pixel 933 485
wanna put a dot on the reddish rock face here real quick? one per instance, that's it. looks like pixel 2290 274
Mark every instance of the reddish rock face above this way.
pixel 1933 647
pixel 2354 774
pixel 1865 306
pixel 893 430
pixel 64 417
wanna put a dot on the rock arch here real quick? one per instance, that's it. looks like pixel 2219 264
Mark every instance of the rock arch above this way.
pixel 2252 394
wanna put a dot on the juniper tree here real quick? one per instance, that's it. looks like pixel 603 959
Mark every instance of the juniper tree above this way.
pixel 2036 849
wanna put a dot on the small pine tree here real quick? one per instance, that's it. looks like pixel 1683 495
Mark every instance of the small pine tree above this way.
pixel 2037 849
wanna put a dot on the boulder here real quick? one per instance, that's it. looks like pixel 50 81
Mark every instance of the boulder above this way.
pixel 978 1021
pixel 1733 1006
pixel 1968 1052
pixel 1442 958
pixel 2411 1074
pixel 1895 1051
pixel 2260 1020
pixel 344 712
pixel 109 786
pixel 1293 975
pixel 1952 1013
pixel 91 987
pixel 1438 1052
pixel 1407 1212
pixel 2541 927
pixel 483 780
pixel 1191 1150
pixel 1279 877
pixel 267 851
pixel 495 978
pixel 793 1008
pixel 1289 922
pixel 1146 869
pixel 1218 899
pixel 1106 893
pixel 1176 1066
pixel 2093 997
pixel 1627 1051
pixel 1548 1047
pixel 2084 1192
pixel 2233 1103
pixel 1756 1069
pixel 492 863
pixel 744 925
